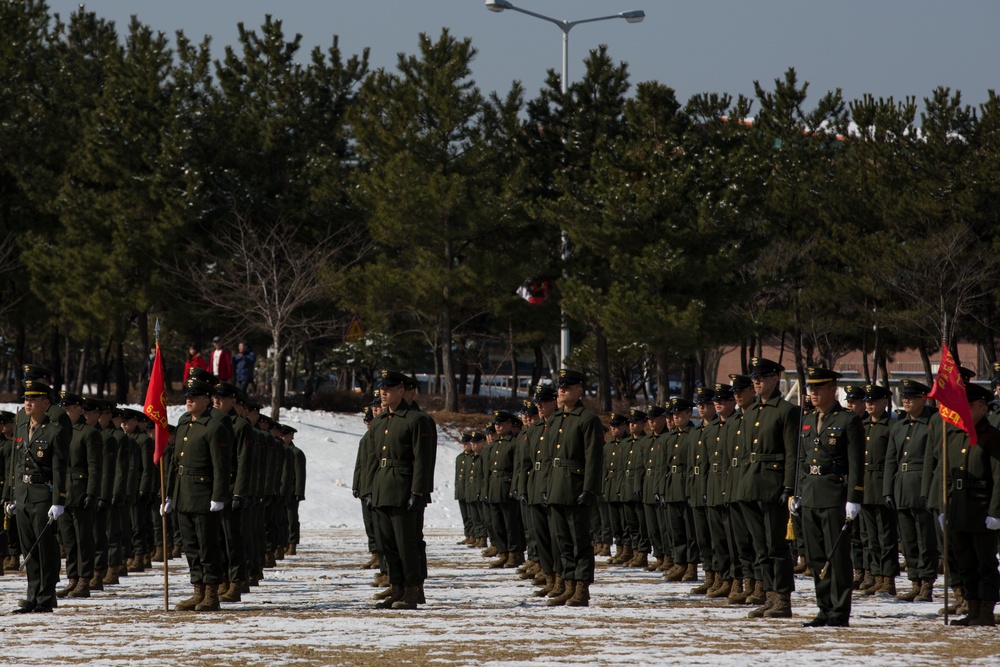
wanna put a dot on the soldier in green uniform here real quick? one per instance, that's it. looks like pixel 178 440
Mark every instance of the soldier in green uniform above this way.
pixel 854 399
pixel 38 467
pixel 473 489
pixel 235 576
pixel 972 482
pixel 402 472
pixel 111 431
pixel 699 452
pixel 577 451
pixel 655 515
pixel 634 450
pixel 508 532
pixel 461 470
pixel 298 490
pixel 522 465
pixel 6 487
pixel 200 490
pixel 614 488
pixel 904 463
pixel 98 415
pixel 83 486
pixel 717 463
pixel 361 485
pixel 878 529
pixel 830 490
pixel 749 589
pixel 770 436
pixel 675 492
pixel 533 490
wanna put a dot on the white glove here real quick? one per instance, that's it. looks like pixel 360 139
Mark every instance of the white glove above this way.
pixel 216 506
pixel 852 509
pixel 992 523
pixel 167 507
pixel 11 508
pixel 794 504
pixel 941 521
pixel 56 511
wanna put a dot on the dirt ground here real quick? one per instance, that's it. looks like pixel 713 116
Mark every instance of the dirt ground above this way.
pixel 316 609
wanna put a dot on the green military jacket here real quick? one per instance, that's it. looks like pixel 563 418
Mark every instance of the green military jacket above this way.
pixel 876 447
pixel 484 482
pixel 148 482
pixel 241 463
pixel 299 458
pixel 614 472
pixel 38 463
pixel 276 465
pixel 522 463
pixel 474 483
pixel 769 438
pixel 200 465
pixel 675 464
pixel 904 461
pixel 716 461
pixel 701 443
pixel 972 480
pixel 652 479
pixel 577 454
pixel 501 467
pixel 634 450
pixel 461 469
pixel 539 461
pixel 109 463
pixel 84 464
pixel 135 471
pixel 6 456
pixel 362 484
pixel 832 459
pixel 405 451
pixel 123 460
pixel 732 439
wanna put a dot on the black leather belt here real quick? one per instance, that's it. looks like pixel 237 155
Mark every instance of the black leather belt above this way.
pixel 42 479
pixel 567 463
pixel 911 467
pixel 403 465
pixel 188 470
pixel 765 458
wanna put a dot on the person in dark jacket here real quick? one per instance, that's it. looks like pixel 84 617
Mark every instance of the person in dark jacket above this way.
pixel 244 362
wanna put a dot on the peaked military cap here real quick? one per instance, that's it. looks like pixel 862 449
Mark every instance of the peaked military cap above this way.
pixel 466 437
pixel 478 436
pixel 854 392
pixel 69 398
pixel 254 406
pixel 196 387
pixel 393 378
pixel 36 388
pixel 91 404
pixel 225 390
pixel 6 417
pixel 723 392
pixel 410 382
pixel 129 413
pixel 500 416
pixel 377 400
pixel 740 382
pixel 241 397
pixel 198 373
pixel 874 392
pixel 655 411
pixel 636 415
pixel 996 372
pixel 544 392
pixel 517 422
pixel 33 372
pixel 490 430
pixel 816 375
pixel 529 409
pixel 367 410
pixel 681 403
pixel 569 377
pixel 968 375
pixel 617 419
pixel 287 430
pixel 762 366
pixel 703 395
pixel 914 388
pixel 977 392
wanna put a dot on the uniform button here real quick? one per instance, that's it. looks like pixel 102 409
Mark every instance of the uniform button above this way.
pixel 185 438
pixel 560 430
pixel 963 451
pixel 386 432
pixel 961 467
pixel 756 424
pixel 905 453
pixel 182 453
pixel 539 451
pixel 755 441
pixel 814 460
pixel 558 446
pixel 384 448
pixel 868 437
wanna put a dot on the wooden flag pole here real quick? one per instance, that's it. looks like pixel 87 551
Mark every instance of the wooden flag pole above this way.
pixel 166 556
pixel 944 510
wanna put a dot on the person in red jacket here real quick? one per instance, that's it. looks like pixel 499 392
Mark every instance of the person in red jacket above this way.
pixel 194 360
pixel 220 362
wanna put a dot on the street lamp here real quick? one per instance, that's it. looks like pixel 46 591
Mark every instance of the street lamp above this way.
pixel 634 16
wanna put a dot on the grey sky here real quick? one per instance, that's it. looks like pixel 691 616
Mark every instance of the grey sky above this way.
pixel 887 48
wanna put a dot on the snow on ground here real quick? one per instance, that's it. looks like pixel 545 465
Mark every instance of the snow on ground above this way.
pixel 316 608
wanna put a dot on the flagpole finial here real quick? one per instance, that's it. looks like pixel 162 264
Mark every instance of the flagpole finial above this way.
pixel 156 330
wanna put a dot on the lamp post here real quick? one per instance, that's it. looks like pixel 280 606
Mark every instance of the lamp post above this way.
pixel 635 16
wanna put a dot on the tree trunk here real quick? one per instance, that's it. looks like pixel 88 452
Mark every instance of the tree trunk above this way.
pixel 81 371
pixel 277 375
pixel 56 360
pixel 447 363
pixel 436 388
pixel 925 359
pixel 514 379
pixel 743 356
pixel 121 377
pixel 662 379
pixel 66 373
pixel 603 372
pixel 536 372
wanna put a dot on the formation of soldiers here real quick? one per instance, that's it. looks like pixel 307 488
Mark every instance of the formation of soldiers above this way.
pixel 754 491
pixel 79 483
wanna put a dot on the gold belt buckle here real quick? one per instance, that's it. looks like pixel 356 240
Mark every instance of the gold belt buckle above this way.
pixel 903 467
pixel 538 465
pixel 384 462
pixel 697 470
pixel 814 470
pixel 753 457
